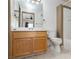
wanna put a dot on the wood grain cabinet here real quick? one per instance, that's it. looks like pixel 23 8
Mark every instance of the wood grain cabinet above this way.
pixel 27 43
pixel 22 46
pixel 39 44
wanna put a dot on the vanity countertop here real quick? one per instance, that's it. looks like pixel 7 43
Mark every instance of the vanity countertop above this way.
pixel 28 29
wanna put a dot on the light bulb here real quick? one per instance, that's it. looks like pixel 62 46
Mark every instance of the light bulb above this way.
pixel 33 1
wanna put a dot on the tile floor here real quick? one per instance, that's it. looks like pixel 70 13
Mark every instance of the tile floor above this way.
pixel 65 54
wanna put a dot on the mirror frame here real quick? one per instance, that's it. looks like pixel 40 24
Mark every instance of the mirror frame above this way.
pixel 23 12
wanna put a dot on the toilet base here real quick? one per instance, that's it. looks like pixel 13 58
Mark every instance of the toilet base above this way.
pixel 57 49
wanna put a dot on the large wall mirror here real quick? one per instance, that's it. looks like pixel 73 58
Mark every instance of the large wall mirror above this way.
pixel 26 13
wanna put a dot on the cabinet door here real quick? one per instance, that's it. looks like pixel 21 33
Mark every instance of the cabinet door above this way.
pixel 39 45
pixel 22 46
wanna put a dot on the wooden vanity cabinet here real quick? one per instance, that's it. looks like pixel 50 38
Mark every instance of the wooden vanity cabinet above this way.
pixel 27 43
pixel 22 46
pixel 39 45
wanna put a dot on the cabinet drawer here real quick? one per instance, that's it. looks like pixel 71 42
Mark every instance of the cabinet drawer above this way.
pixel 23 34
pixel 41 34
pixel 28 34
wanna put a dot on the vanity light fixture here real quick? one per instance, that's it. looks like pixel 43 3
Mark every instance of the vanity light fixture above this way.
pixel 36 1
pixel 33 2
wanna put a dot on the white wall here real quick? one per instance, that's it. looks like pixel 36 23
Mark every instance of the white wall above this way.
pixel 49 12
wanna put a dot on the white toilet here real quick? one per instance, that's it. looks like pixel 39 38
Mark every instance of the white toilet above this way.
pixel 56 43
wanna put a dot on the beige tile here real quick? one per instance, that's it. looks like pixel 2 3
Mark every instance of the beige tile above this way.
pixel 65 54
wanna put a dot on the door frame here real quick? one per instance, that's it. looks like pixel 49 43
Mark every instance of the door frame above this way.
pixel 60 33
pixel 9 31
